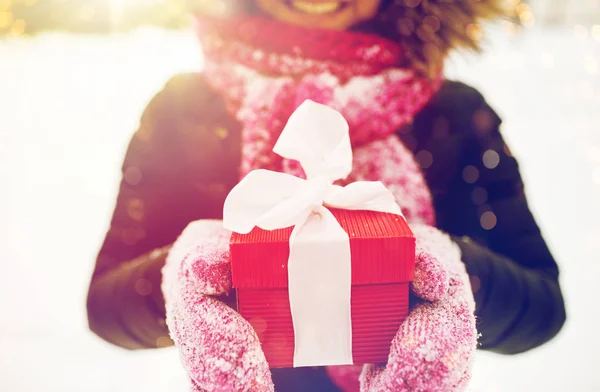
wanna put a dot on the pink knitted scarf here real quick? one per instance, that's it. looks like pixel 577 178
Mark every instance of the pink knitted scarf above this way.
pixel 265 69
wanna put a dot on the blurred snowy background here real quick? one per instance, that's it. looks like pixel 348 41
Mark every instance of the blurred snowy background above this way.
pixel 69 104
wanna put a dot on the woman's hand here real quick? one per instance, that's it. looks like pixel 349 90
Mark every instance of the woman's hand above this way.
pixel 221 352
pixel 435 345
pixel 219 349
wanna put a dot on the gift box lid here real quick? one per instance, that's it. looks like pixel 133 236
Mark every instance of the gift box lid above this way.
pixel 381 244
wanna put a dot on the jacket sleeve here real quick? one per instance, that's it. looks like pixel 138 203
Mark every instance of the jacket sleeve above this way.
pixel 482 203
pixel 170 177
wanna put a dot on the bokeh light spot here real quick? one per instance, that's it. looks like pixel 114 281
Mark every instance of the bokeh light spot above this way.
pixel 441 127
pixel 143 287
pixel 135 209
pixel 470 174
pixel 6 19
pixel 479 196
pixel 405 26
pixel 474 31
pixel 525 15
pixel 483 121
pixel 424 158
pixel 475 283
pixel 491 159
pixel 259 324
pixel 133 175
pixel 433 22
pixel 221 132
pixel 488 220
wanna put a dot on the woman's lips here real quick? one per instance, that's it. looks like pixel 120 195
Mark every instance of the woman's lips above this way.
pixel 318 7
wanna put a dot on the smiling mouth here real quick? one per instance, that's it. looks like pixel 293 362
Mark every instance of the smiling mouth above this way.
pixel 317 8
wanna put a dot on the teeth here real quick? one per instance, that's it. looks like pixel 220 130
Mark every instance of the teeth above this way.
pixel 316 8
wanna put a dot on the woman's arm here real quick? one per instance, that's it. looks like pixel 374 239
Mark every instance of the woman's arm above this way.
pixel 479 199
pixel 178 168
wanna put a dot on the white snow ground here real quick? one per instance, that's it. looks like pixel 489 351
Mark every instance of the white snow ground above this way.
pixel 68 106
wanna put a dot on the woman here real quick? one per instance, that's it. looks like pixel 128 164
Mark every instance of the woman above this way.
pixel 379 62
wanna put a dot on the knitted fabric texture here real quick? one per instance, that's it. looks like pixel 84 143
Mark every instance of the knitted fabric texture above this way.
pixel 220 351
pixel 432 351
pixel 264 80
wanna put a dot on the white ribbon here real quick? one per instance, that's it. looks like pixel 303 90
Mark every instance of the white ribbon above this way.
pixel 319 265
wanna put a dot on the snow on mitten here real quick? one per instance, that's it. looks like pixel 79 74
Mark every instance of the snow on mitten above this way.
pixel 435 345
pixel 218 348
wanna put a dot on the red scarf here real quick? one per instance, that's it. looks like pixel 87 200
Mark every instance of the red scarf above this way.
pixel 265 69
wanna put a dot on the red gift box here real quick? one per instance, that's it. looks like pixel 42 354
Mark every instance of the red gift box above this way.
pixel 382 248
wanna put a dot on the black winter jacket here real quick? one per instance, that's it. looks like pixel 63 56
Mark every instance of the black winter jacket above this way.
pixel 475 183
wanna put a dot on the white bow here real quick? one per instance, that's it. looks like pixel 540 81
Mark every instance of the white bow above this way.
pixel 319 265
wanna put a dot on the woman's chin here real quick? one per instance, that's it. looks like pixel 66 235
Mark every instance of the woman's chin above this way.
pixel 320 14
pixel 331 14
pixel 325 14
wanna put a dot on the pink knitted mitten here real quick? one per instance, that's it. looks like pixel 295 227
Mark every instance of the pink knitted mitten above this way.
pixel 435 345
pixel 221 352
pixel 218 348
